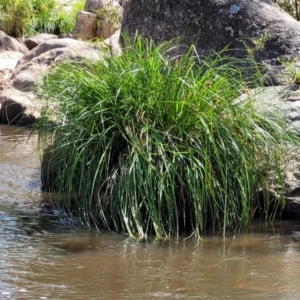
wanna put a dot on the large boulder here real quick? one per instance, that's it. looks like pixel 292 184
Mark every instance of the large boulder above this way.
pixel 11 50
pixel 94 5
pixel 8 61
pixel 10 44
pixel 40 38
pixel 86 26
pixel 99 20
pixel 283 102
pixel 211 25
pixel 19 96
pixel 278 102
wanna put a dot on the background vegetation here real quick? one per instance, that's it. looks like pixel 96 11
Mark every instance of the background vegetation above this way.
pixel 26 17
pixel 153 143
pixel 290 6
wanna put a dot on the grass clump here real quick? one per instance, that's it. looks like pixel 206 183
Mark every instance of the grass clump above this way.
pixel 26 17
pixel 293 70
pixel 152 143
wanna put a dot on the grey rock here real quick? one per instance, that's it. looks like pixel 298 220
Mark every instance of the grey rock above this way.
pixel 283 102
pixel 100 19
pixel 106 29
pixel 214 24
pixel 278 101
pixel 9 59
pixel 110 22
pixel 20 102
pixel 86 26
pixel 27 79
pixel 59 49
pixel 292 184
pixel 5 75
pixel 35 40
pixel 17 107
pixel 123 2
pixel 113 43
pixel 10 44
pixel 94 5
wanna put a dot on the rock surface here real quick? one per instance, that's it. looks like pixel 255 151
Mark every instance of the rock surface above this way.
pixel 279 101
pixel 292 184
pixel 113 43
pixel 10 44
pixel 214 24
pixel 99 20
pixel 94 5
pixel 86 25
pixel 34 41
pixel 19 99
pixel 8 61
pixel 284 102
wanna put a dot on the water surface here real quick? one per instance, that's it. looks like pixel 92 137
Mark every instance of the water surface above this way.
pixel 46 257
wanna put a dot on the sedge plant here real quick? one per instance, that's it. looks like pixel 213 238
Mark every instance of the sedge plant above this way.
pixel 152 143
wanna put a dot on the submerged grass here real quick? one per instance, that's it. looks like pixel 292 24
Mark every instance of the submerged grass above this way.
pixel 154 143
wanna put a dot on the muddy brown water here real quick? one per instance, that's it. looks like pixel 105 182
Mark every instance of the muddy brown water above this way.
pixel 43 255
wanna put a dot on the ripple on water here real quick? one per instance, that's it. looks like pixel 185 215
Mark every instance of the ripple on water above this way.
pixel 43 258
pixel 20 183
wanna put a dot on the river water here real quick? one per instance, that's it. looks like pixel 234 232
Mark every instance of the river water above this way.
pixel 43 255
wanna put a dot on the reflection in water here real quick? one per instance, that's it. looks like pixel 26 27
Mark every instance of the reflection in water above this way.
pixel 19 167
pixel 44 258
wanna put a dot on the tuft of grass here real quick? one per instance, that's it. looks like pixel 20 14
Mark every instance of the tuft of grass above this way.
pixel 258 43
pixel 26 17
pixel 156 143
pixel 293 70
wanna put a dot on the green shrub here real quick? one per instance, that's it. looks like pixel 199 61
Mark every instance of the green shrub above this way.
pixel 26 17
pixel 154 143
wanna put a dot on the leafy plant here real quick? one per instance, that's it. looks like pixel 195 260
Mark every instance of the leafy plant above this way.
pixel 156 143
